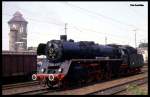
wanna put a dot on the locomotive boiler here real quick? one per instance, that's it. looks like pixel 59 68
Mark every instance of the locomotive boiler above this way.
pixel 72 62
pixel 56 50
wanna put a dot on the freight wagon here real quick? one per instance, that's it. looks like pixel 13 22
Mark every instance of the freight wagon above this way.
pixel 17 66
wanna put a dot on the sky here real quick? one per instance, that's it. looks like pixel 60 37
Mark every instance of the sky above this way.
pixel 86 21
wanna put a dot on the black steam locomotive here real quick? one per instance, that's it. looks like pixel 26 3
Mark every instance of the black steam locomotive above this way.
pixel 70 62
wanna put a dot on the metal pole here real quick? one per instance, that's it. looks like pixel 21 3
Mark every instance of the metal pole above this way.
pixel 135 37
pixel 105 40
pixel 65 28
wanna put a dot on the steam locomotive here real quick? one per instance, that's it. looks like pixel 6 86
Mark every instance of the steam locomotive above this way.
pixel 85 61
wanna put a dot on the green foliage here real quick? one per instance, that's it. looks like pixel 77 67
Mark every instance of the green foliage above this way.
pixel 134 90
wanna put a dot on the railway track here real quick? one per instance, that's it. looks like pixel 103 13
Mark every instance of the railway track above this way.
pixel 139 89
pixel 105 88
pixel 108 91
pixel 32 88
pixel 17 85
pixel 120 87
pixel 35 92
pixel 22 90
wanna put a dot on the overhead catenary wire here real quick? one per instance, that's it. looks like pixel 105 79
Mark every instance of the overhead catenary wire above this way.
pixel 37 20
pixel 85 10
pixel 85 29
pixel 103 16
pixel 39 16
pixel 100 33
pixel 91 30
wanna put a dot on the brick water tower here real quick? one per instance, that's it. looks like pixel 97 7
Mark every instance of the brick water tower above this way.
pixel 18 33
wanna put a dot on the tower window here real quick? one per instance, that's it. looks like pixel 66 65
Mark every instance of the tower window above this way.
pixel 21 29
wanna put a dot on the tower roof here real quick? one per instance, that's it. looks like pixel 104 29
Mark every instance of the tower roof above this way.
pixel 17 17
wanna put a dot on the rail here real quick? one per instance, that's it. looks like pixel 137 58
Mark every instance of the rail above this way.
pixel 103 88
pixel 97 88
pixel 17 85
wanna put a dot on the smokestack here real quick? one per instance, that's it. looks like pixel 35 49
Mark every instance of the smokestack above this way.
pixel 63 37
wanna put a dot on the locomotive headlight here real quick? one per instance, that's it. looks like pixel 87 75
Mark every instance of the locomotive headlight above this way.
pixel 51 77
pixel 34 77
pixel 60 70
pixel 42 70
